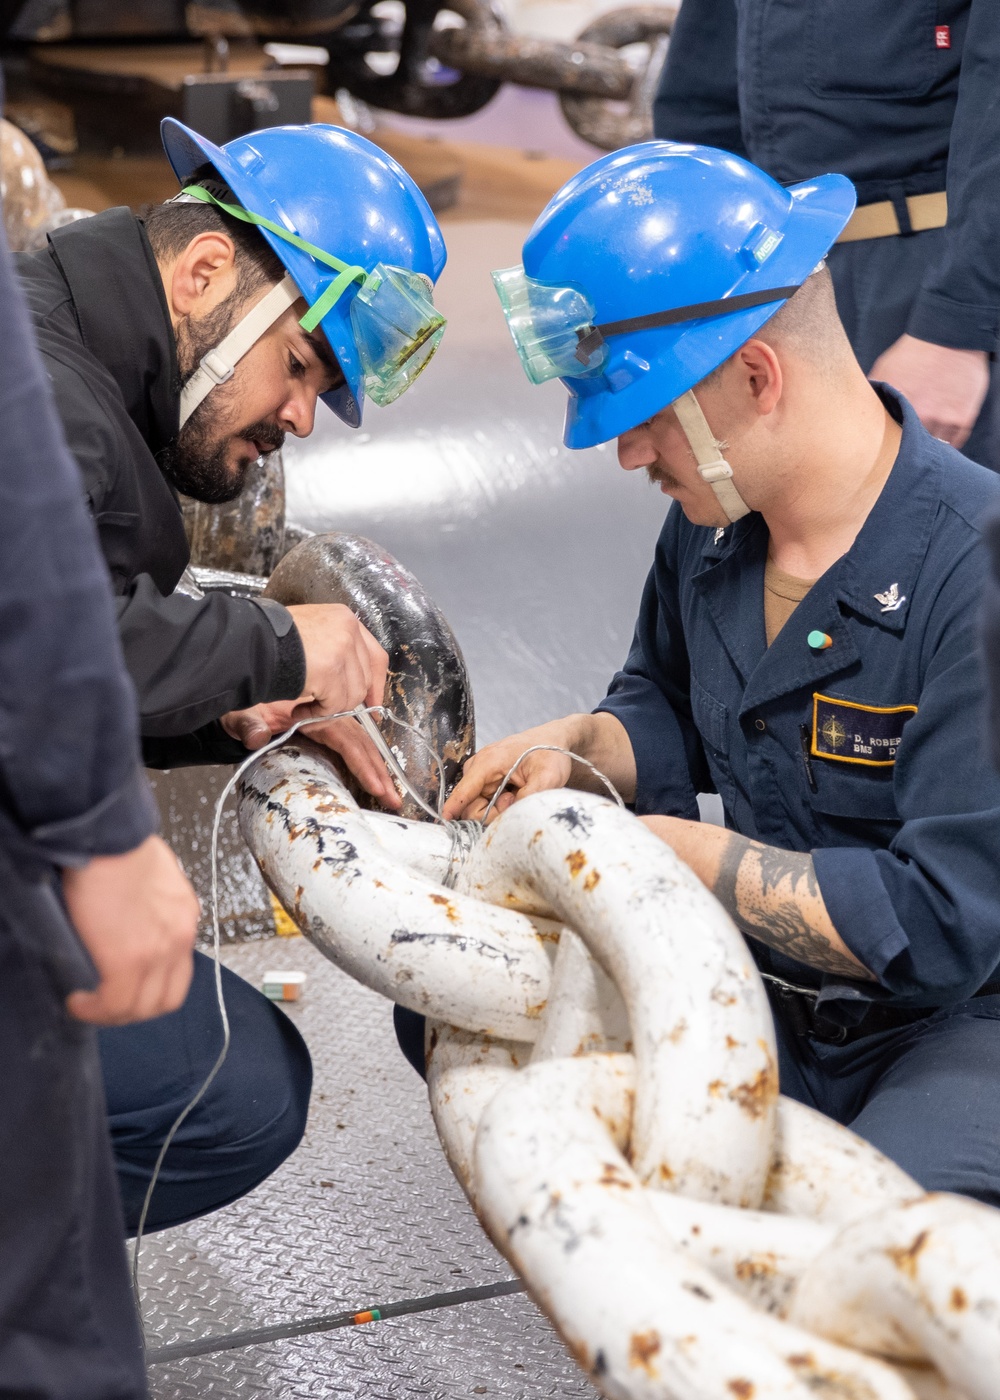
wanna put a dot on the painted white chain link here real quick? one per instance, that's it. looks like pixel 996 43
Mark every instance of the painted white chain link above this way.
pixel 602 1075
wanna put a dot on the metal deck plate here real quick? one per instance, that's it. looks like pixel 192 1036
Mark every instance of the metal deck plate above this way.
pixel 366 1211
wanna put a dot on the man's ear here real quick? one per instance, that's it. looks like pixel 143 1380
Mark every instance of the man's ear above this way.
pixel 762 375
pixel 202 277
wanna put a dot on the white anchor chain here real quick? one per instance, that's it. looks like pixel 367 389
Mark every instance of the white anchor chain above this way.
pixel 602 1075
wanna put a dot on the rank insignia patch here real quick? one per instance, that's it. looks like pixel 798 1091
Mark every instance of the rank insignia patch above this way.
pixel 851 733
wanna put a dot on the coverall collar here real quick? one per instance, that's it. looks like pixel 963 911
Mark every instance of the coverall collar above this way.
pixel 122 312
pixel 875 578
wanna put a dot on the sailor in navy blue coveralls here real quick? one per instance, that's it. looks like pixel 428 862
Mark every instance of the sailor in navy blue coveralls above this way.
pixel 900 97
pixel 870 754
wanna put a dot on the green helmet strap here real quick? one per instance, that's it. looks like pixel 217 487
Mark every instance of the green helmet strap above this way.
pixel 346 274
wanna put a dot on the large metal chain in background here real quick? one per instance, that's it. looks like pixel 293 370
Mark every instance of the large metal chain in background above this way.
pixel 452 58
pixel 606 95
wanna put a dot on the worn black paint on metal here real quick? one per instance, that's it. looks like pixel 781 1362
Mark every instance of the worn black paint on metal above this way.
pixel 428 682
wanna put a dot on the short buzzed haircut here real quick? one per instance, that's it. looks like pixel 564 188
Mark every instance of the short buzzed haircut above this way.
pixel 809 323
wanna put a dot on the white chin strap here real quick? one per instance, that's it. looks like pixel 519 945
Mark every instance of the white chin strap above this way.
pixel 712 466
pixel 219 364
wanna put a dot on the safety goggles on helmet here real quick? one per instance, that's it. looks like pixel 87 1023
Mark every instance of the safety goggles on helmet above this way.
pixel 397 330
pixel 395 323
pixel 555 332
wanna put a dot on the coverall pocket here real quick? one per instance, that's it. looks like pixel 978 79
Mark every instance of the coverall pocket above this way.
pixel 857 49
pixel 854 802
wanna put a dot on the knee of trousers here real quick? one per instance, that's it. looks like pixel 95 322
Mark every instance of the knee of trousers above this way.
pixel 409 1028
pixel 265 1096
pixel 250 1120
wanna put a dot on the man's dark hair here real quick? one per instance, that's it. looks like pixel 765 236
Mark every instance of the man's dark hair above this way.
pixel 170 228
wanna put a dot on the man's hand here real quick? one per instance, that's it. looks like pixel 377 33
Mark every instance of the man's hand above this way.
pixel 345 667
pixel 946 387
pixel 486 770
pixel 600 738
pixel 137 916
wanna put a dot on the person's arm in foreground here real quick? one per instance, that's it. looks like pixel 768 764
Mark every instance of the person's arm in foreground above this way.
pixel 942 364
pixel 73 796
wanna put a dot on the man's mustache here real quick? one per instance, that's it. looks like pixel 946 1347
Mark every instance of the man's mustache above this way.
pixel 660 478
pixel 268 436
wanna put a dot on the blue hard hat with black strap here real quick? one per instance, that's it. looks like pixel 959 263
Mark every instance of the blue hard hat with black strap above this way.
pixel 648 270
pixel 357 237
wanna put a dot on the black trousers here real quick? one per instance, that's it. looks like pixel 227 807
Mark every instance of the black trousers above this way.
pixel 877 281
pixel 68 1328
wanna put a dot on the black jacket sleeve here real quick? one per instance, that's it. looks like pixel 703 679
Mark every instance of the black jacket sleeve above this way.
pixel 194 659
pixel 71 783
pixel 959 304
pixel 698 99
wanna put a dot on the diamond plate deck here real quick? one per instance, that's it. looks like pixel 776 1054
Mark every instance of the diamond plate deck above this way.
pixel 365 1211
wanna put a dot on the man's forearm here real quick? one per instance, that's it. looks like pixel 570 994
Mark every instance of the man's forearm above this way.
pixel 769 893
pixel 604 741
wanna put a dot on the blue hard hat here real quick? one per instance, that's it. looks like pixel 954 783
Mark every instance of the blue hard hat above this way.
pixel 339 192
pixel 660 226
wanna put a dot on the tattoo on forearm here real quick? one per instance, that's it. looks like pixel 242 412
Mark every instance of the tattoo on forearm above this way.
pixel 774 896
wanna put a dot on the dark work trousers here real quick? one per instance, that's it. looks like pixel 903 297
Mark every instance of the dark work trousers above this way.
pixel 928 1095
pixel 68 1328
pixel 877 281
pixel 251 1119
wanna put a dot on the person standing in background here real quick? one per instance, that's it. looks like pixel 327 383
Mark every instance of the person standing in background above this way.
pixel 97 923
pixel 902 98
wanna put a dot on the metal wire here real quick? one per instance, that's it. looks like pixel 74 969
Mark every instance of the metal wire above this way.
pixel 362 714
pixel 552 748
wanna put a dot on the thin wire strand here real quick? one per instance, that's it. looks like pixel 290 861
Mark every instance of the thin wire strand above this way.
pixel 216 936
pixel 552 748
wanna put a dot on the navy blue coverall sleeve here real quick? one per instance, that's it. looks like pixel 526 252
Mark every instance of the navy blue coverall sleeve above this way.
pixel 959 303
pixel 71 787
pixel 650 697
pixel 72 782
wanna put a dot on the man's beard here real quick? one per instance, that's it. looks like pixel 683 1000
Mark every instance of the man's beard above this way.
pixel 196 462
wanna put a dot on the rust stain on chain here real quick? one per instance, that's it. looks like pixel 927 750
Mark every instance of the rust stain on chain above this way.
pixel 907 1257
pixel 643 1347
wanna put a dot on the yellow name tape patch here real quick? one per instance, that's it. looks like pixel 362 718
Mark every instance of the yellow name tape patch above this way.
pixel 851 733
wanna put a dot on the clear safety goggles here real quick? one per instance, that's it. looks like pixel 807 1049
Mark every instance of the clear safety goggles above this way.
pixel 396 326
pixel 397 329
pixel 549 326
pixel 555 332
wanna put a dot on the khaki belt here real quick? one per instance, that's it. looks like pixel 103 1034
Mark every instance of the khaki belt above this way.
pixel 880 221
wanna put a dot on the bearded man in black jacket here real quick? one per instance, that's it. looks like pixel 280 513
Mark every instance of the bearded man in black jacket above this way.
pixel 177 354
